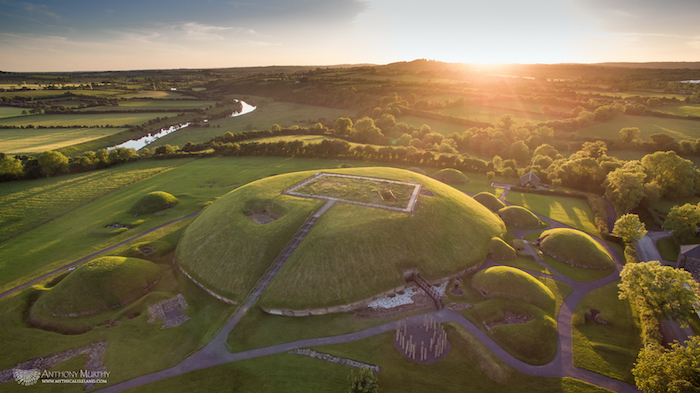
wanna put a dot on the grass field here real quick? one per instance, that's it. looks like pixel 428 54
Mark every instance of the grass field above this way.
pixel 682 110
pixel 268 113
pixel 438 126
pixel 668 249
pixel 47 247
pixel 606 349
pixel 73 120
pixel 469 367
pixel 570 211
pixel 134 347
pixel 9 111
pixel 155 104
pixel 26 204
pixel 15 141
pixel 491 115
pixel 679 129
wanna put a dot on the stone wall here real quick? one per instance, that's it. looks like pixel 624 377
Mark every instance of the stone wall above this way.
pixel 334 359
pixel 207 290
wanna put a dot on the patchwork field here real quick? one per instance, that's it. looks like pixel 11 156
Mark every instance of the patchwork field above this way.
pixel 679 129
pixel 39 140
pixel 9 111
pixel 71 120
pixel 154 105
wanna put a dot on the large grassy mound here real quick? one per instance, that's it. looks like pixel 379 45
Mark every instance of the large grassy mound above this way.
pixel 351 253
pixel 518 216
pixel 100 285
pixel 154 202
pixel 514 284
pixel 490 201
pixel 575 248
pixel 451 176
pixel 500 250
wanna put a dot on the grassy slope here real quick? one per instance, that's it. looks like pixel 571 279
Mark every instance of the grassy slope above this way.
pixel 75 120
pixel 571 245
pixel 518 216
pixel 99 285
pixel 135 347
pixel 510 283
pixel 46 248
pixel 9 111
pixel 491 115
pixel 606 349
pixel 490 201
pixel 683 110
pixel 468 367
pixel 570 211
pixel 40 140
pixel 26 204
pixel 154 104
pixel 679 129
pixel 227 251
pixel 357 252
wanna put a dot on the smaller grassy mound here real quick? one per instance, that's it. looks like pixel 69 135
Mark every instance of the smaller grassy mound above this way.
pixel 154 202
pixel 490 201
pixel 451 176
pixel 500 250
pixel 575 248
pixel 514 284
pixel 100 285
pixel 417 170
pixel 149 250
pixel 518 216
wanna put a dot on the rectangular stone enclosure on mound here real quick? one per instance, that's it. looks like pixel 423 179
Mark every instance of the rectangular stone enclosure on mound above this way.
pixel 385 194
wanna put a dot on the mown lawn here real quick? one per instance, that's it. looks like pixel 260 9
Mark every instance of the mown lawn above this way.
pixel 606 349
pixel 468 367
pixel 39 140
pixel 570 211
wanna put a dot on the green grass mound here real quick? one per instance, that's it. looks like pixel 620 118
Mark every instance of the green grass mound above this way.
pixel 149 250
pixel 518 216
pixel 575 248
pixel 154 202
pixel 451 176
pixel 417 170
pixel 353 252
pixel 490 201
pixel 500 250
pixel 514 284
pixel 100 285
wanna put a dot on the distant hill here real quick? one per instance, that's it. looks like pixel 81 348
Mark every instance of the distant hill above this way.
pixel 666 65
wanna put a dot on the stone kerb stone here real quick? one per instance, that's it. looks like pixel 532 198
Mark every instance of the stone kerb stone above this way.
pixel 207 290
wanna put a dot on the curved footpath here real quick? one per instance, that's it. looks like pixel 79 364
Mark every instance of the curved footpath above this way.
pixel 216 352
pixel 87 258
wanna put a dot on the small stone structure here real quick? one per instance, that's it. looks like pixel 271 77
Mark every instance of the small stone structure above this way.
pixel 509 318
pixel 334 359
pixel 594 315
pixel 689 259
pixel 170 311
pixel 421 339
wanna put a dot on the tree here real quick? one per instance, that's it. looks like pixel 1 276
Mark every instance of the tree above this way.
pixel 53 162
pixel 547 150
pixel 669 370
pixel 594 149
pixel 520 152
pixel 676 176
pixel 629 228
pixel 343 126
pixel 663 141
pixel 624 187
pixel 630 134
pixel 662 289
pixel 364 382
pixel 683 221
pixel 10 168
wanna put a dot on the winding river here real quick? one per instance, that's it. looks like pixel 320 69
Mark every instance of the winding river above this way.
pixel 142 142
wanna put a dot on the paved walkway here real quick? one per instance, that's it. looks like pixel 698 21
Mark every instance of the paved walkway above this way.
pixel 87 258
pixel 646 247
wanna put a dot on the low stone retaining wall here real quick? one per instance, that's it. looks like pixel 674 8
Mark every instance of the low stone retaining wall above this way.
pixel 334 359
pixel 207 290
pixel 363 303
pixel 572 263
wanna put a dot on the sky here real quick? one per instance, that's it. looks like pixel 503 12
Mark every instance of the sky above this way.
pixel 95 35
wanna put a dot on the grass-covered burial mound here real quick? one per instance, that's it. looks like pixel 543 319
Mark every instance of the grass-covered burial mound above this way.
pixel 575 248
pixel 514 284
pixel 352 252
pixel 154 202
pixel 490 201
pixel 99 285
pixel 451 176
pixel 519 216
pixel 500 250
